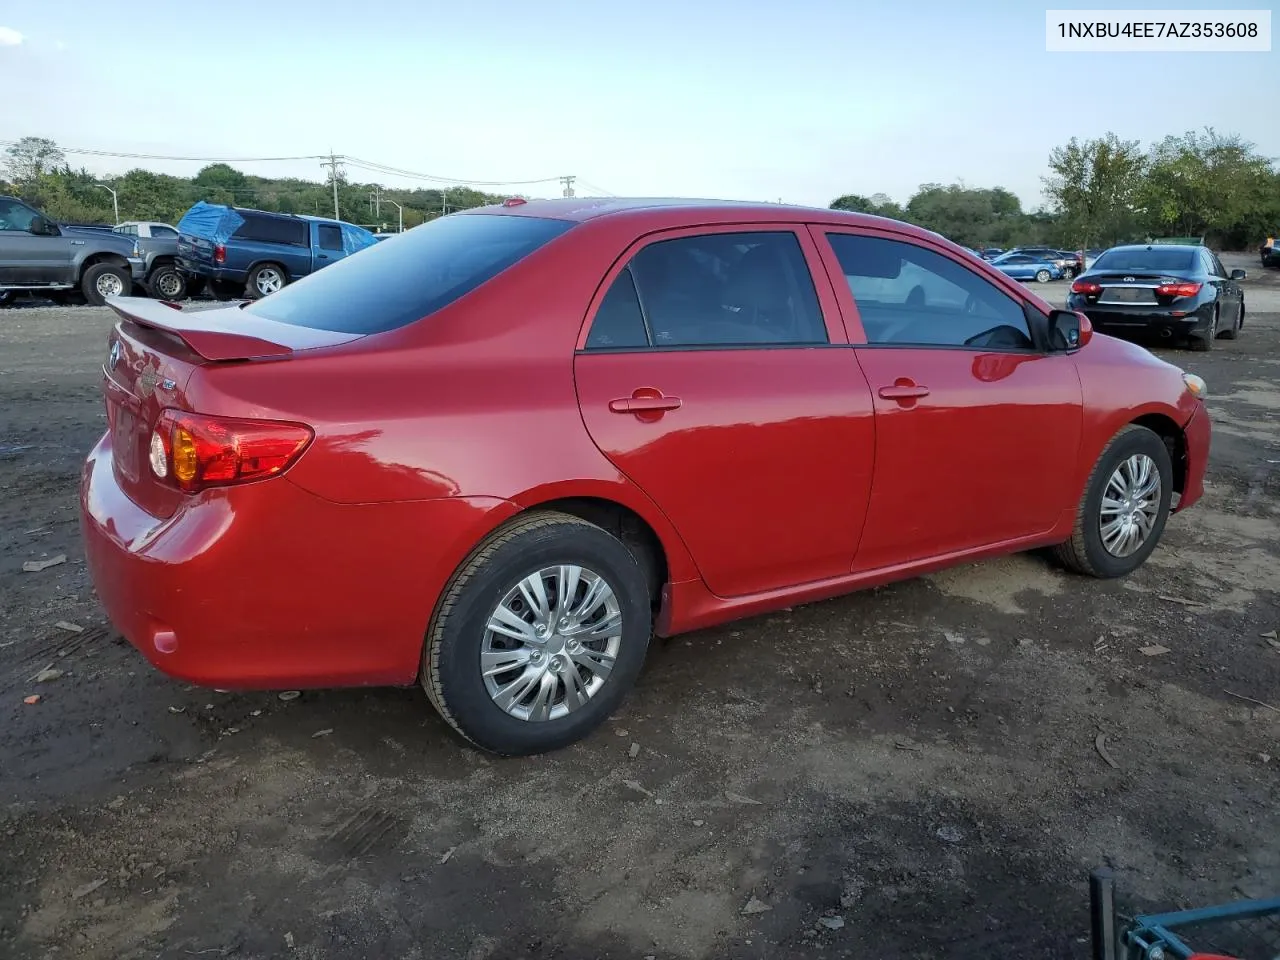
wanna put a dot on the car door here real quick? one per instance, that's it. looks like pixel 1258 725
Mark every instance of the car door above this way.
pixel 1020 266
pixel 328 244
pixel 977 426
pixel 26 257
pixel 714 373
pixel 1230 294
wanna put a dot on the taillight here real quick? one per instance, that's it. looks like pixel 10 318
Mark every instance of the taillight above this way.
pixel 1178 289
pixel 194 451
pixel 1087 287
pixel 219 254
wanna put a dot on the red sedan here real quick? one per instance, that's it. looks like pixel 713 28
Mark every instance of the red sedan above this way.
pixel 496 453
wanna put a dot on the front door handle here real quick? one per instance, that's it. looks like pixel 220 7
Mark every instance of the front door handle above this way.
pixel 904 390
pixel 644 404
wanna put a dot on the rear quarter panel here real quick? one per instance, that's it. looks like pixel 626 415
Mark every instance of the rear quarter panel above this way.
pixel 477 400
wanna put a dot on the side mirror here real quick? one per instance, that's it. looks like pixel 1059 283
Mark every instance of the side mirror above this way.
pixel 1238 275
pixel 42 227
pixel 1069 330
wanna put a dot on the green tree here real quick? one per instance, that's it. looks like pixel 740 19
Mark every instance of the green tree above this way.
pixel 1206 183
pixel 31 158
pixel 969 216
pixel 1093 187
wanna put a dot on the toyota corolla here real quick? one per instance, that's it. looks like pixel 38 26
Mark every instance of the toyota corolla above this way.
pixel 495 454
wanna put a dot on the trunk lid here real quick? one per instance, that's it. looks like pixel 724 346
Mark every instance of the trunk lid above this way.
pixel 1131 286
pixel 153 354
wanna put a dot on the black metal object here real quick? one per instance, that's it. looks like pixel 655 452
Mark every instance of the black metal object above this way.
pixel 1102 913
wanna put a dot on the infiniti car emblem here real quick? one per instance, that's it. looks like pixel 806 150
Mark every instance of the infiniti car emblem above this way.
pixel 1128 279
pixel 114 357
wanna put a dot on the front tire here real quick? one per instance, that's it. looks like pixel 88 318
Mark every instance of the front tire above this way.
pixel 1043 276
pixel 167 283
pixel 540 635
pixel 104 280
pixel 1125 506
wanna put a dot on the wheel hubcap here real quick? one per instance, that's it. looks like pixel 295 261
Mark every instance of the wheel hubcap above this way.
pixel 551 643
pixel 170 285
pixel 109 285
pixel 1130 505
pixel 269 281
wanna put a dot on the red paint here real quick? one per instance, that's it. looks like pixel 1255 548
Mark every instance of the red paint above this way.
pixel 770 476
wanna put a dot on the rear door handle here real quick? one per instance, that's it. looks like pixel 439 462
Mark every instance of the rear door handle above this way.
pixel 644 404
pixel 904 391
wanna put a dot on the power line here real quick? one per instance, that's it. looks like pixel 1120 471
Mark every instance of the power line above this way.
pixel 592 186
pixel 78 151
pixel 461 181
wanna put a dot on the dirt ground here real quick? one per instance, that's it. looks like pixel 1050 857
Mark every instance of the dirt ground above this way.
pixel 910 772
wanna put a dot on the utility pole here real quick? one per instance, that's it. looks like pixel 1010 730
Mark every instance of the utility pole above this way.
pixel 444 201
pixel 568 185
pixel 400 210
pixel 115 200
pixel 375 201
pixel 333 164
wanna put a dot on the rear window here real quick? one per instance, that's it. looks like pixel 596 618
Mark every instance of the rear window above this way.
pixel 1148 260
pixel 273 230
pixel 409 275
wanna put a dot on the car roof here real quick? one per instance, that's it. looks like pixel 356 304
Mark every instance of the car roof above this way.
pixel 675 211
pixel 1184 247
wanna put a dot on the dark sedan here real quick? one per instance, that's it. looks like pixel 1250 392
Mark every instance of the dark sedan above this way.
pixel 1172 290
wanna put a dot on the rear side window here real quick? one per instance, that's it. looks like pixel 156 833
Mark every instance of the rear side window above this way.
pixel 619 322
pixel 272 230
pixel 410 275
pixel 330 236
pixel 722 289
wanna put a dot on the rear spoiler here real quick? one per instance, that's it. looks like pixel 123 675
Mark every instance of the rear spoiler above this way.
pixel 201 331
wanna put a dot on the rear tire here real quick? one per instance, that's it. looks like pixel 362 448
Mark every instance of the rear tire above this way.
pixel 1043 276
pixel 264 280
pixel 104 280
pixel 1086 552
pixel 167 283
pixel 524 551
pixel 1203 344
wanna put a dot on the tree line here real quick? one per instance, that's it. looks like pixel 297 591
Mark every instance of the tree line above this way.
pixel 1107 191
pixel 36 170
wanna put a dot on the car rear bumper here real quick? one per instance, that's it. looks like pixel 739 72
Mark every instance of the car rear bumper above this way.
pixel 1198 436
pixel 195 268
pixel 1136 318
pixel 268 586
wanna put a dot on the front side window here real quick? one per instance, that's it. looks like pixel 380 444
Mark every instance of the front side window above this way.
pixel 166 233
pixel 719 289
pixel 908 295
pixel 16 216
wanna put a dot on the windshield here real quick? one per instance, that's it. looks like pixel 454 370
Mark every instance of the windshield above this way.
pixel 1151 261
pixel 408 276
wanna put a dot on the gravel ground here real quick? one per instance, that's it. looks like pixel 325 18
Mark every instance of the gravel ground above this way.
pixel 907 772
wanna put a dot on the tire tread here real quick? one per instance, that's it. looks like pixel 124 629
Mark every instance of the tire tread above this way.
pixel 482 554
pixel 1072 553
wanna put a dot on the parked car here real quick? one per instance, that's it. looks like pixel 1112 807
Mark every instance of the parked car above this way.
pixel 1028 266
pixel 1175 291
pixel 255 253
pixel 990 253
pixel 1070 262
pixel 1270 254
pixel 41 256
pixel 158 243
pixel 563 426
